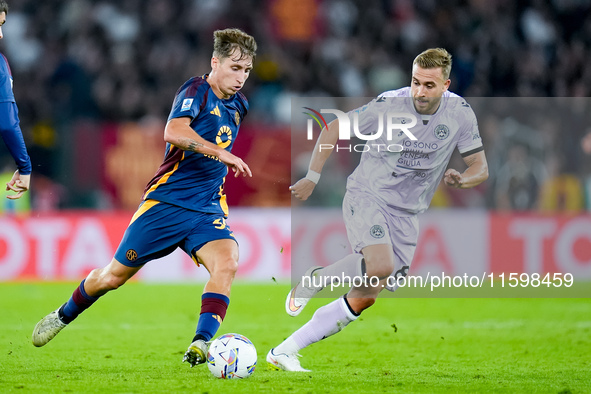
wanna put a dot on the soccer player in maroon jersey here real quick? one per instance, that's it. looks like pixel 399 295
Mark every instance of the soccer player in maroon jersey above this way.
pixel 184 204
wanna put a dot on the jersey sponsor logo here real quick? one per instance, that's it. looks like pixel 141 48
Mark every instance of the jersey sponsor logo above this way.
pixel 416 175
pixel 216 111
pixel 441 131
pixel 224 137
pixel 414 154
pixel 212 157
pixel 420 145
pixel 186 104
pixel 237 118
pixel 377 231
pixel 131 255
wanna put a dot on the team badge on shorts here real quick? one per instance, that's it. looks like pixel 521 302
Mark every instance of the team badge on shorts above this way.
pixel 377 231
pixel 131 255
pixel 441 131
pixel 237 118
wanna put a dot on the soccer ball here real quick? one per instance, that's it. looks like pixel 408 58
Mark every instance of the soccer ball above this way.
pixel 232 356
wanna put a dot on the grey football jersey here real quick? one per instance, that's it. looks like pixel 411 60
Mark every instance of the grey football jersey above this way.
pixel 406 181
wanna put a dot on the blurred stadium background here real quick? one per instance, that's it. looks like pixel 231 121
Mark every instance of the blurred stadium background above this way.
pixel 94 81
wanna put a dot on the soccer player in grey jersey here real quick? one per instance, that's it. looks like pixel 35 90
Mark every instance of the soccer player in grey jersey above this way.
pixel 385 194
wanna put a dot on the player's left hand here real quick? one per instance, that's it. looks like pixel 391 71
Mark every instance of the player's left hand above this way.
pixel 235 163
pixel 241 168
pixel 19 184
pixel 453 178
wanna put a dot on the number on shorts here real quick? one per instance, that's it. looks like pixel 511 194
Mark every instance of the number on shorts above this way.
pixel 220 224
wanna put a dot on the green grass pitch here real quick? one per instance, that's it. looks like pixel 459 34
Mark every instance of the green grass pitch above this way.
pixel 133 339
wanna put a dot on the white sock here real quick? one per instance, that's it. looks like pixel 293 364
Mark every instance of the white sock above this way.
pixel 327 321
pixel 289 346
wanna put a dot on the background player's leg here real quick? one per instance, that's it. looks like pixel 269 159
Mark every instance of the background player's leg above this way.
pixel 326 321
pixel 349 266
pixel 379 262
pixel 315 279
pixel 332 318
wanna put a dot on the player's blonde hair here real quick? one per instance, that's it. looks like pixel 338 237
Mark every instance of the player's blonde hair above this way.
pixel 225 41
pixel 433 58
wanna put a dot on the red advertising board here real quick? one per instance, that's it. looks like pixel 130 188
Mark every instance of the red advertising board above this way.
pixel 66 246
pixel 540 244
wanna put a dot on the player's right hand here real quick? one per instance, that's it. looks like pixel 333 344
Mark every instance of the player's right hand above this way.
pixel 302 189
pixel 19 184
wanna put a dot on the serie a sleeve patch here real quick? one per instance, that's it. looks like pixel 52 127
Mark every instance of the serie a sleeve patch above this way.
pixel 187 104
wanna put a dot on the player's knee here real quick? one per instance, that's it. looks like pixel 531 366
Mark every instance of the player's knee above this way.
pixel 226 267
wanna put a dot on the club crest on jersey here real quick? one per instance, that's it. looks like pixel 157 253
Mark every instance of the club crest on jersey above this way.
pixel 441 131
pixel 224 137
pixel 237 118
pixel 131 255
pixel 377 231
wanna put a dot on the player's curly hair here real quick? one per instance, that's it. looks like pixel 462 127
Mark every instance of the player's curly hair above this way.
pixel 3 7
pixel 433 58
pixel 225 41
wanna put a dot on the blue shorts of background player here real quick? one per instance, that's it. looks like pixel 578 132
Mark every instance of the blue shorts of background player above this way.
pixel 158 228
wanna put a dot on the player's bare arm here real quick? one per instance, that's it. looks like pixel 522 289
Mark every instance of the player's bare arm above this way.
pixel 19 184
pixel 475 174
pixel 179 133
pixel 303 188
